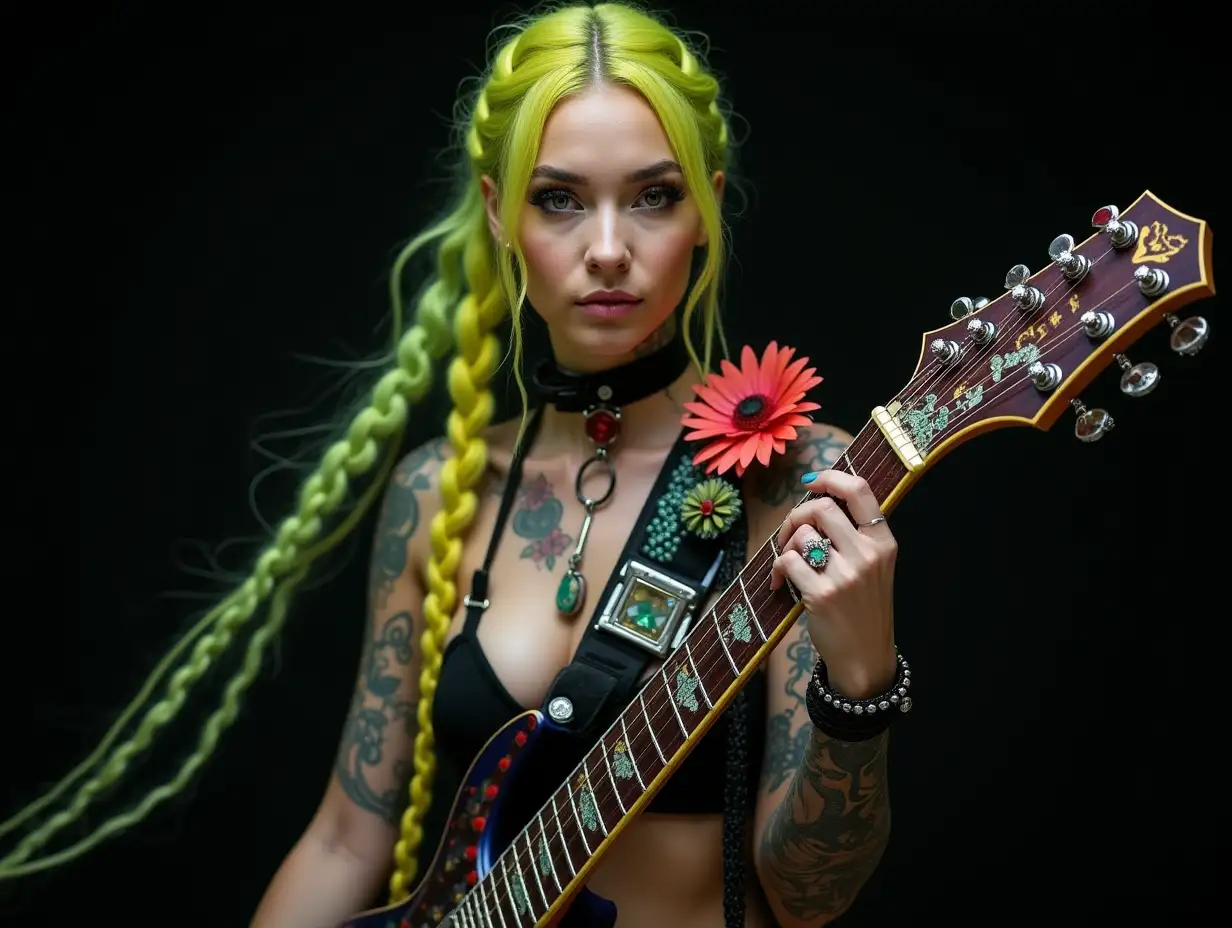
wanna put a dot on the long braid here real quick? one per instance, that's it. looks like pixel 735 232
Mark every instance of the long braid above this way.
pixel 278 571
pixel 469 380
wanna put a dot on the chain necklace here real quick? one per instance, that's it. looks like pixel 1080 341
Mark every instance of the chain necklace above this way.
pixel 599 397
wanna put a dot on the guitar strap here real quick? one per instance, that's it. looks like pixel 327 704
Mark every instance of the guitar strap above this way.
pixel 664 577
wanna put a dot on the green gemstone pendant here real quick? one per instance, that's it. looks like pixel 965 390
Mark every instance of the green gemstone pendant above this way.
pixel 570 593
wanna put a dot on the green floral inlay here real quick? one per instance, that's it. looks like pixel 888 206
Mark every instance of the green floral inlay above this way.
pixel 686 688
pixel 741 623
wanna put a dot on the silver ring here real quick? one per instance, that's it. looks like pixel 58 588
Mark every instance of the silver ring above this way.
pixel 817 553
pixel 871 522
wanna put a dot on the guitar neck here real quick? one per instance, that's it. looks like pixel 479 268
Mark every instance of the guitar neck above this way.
pixel 619 776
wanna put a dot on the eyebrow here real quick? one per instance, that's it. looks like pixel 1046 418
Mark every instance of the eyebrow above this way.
pixel 666 166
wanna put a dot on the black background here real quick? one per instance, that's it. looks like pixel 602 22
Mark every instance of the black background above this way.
pixel 201 197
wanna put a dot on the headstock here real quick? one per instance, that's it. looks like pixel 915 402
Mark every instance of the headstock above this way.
pixel 1023 358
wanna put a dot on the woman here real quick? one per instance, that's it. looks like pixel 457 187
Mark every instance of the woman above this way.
pixel 596 154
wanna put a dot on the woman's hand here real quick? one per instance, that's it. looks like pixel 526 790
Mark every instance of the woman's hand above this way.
pixel 850 598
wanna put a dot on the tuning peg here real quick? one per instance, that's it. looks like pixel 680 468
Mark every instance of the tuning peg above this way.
pixel 1097 324
pixel 944 350
pixel 1073 266
pixel 1152 281
pixel 1189 336
pixel 981 331
pixel 1092 424
pixel 1121 232
pixel 1139 379
pixel 1027 297
pixel 1045 375
pixel 965 306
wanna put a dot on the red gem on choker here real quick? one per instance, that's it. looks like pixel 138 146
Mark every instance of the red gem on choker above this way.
pixel 602 426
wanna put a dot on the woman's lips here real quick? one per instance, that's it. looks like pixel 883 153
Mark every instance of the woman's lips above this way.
pixel 601 309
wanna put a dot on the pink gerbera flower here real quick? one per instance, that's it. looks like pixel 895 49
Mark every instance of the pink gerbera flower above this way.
pixel 750 411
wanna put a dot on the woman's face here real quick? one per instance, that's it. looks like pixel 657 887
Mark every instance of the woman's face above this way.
pixel 608 231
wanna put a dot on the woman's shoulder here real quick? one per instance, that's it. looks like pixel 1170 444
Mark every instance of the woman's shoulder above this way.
pixel 816 447
pixel 419 469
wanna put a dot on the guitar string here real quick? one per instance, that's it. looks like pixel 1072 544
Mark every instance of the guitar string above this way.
pixel 1019 379
pixel 1063 339
pixel 603 793
pixel 998 342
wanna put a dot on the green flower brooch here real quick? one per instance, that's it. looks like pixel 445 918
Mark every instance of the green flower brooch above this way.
pixel 710 508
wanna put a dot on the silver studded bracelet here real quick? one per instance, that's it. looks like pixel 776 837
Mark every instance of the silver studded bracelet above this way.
pixel 848 719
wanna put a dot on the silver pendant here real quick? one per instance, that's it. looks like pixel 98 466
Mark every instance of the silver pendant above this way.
pixel 571 592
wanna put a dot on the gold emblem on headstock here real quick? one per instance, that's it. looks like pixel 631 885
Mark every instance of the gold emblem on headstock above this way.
pixel 1156 245
pixel 1074 303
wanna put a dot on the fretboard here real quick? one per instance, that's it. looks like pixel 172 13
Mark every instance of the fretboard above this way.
pixel 675 708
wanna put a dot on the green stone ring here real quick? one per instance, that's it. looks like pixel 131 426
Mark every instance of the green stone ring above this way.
pixel 817 553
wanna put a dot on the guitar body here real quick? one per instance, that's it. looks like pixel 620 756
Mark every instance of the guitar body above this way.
pixel 506 784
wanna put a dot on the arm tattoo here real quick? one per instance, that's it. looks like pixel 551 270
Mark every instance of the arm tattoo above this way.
pixel 785 750
pixel 361 766
pixel 813 450
pixel 399 519
pixel 827 836
pixel 537 519
pixel 374 708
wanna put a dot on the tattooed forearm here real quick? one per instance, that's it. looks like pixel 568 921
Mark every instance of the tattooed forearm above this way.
pixel 362 767
pixel 785 748
pixel 827 836
pixel 816 448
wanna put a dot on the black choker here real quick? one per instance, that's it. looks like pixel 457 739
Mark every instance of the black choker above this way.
pixel 618 386
pixel 600 396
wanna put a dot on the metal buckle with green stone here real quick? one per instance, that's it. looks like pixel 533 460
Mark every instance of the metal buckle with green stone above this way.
pixel 648 608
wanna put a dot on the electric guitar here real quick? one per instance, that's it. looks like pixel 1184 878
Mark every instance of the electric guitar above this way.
pixel 1021 359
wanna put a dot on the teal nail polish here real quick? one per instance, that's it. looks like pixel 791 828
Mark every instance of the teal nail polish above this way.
pixel 809 477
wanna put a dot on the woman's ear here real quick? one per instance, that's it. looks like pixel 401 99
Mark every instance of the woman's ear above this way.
pixel 491 200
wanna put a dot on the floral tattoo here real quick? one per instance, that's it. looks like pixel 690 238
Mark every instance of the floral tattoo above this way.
pixel 538 521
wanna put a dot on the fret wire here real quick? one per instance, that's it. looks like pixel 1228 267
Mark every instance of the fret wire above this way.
pixel 718 630
pixel 534 867
pixel 700 684
pixel 563 843
pixel 612 778
pixel 629 750
pixel 668 696
pixel 791 589
pixel 649 727
pixel 547 846
pixel 594 798
pixel 526 894
pixel 483 903
pixel 508 889
pixel 467 920
pixel 577 818
pixel 753 612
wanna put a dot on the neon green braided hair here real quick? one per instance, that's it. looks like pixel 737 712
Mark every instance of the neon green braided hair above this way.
pixel 475 286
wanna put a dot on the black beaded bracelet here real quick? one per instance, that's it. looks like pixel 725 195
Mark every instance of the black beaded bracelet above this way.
pixel 849 719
